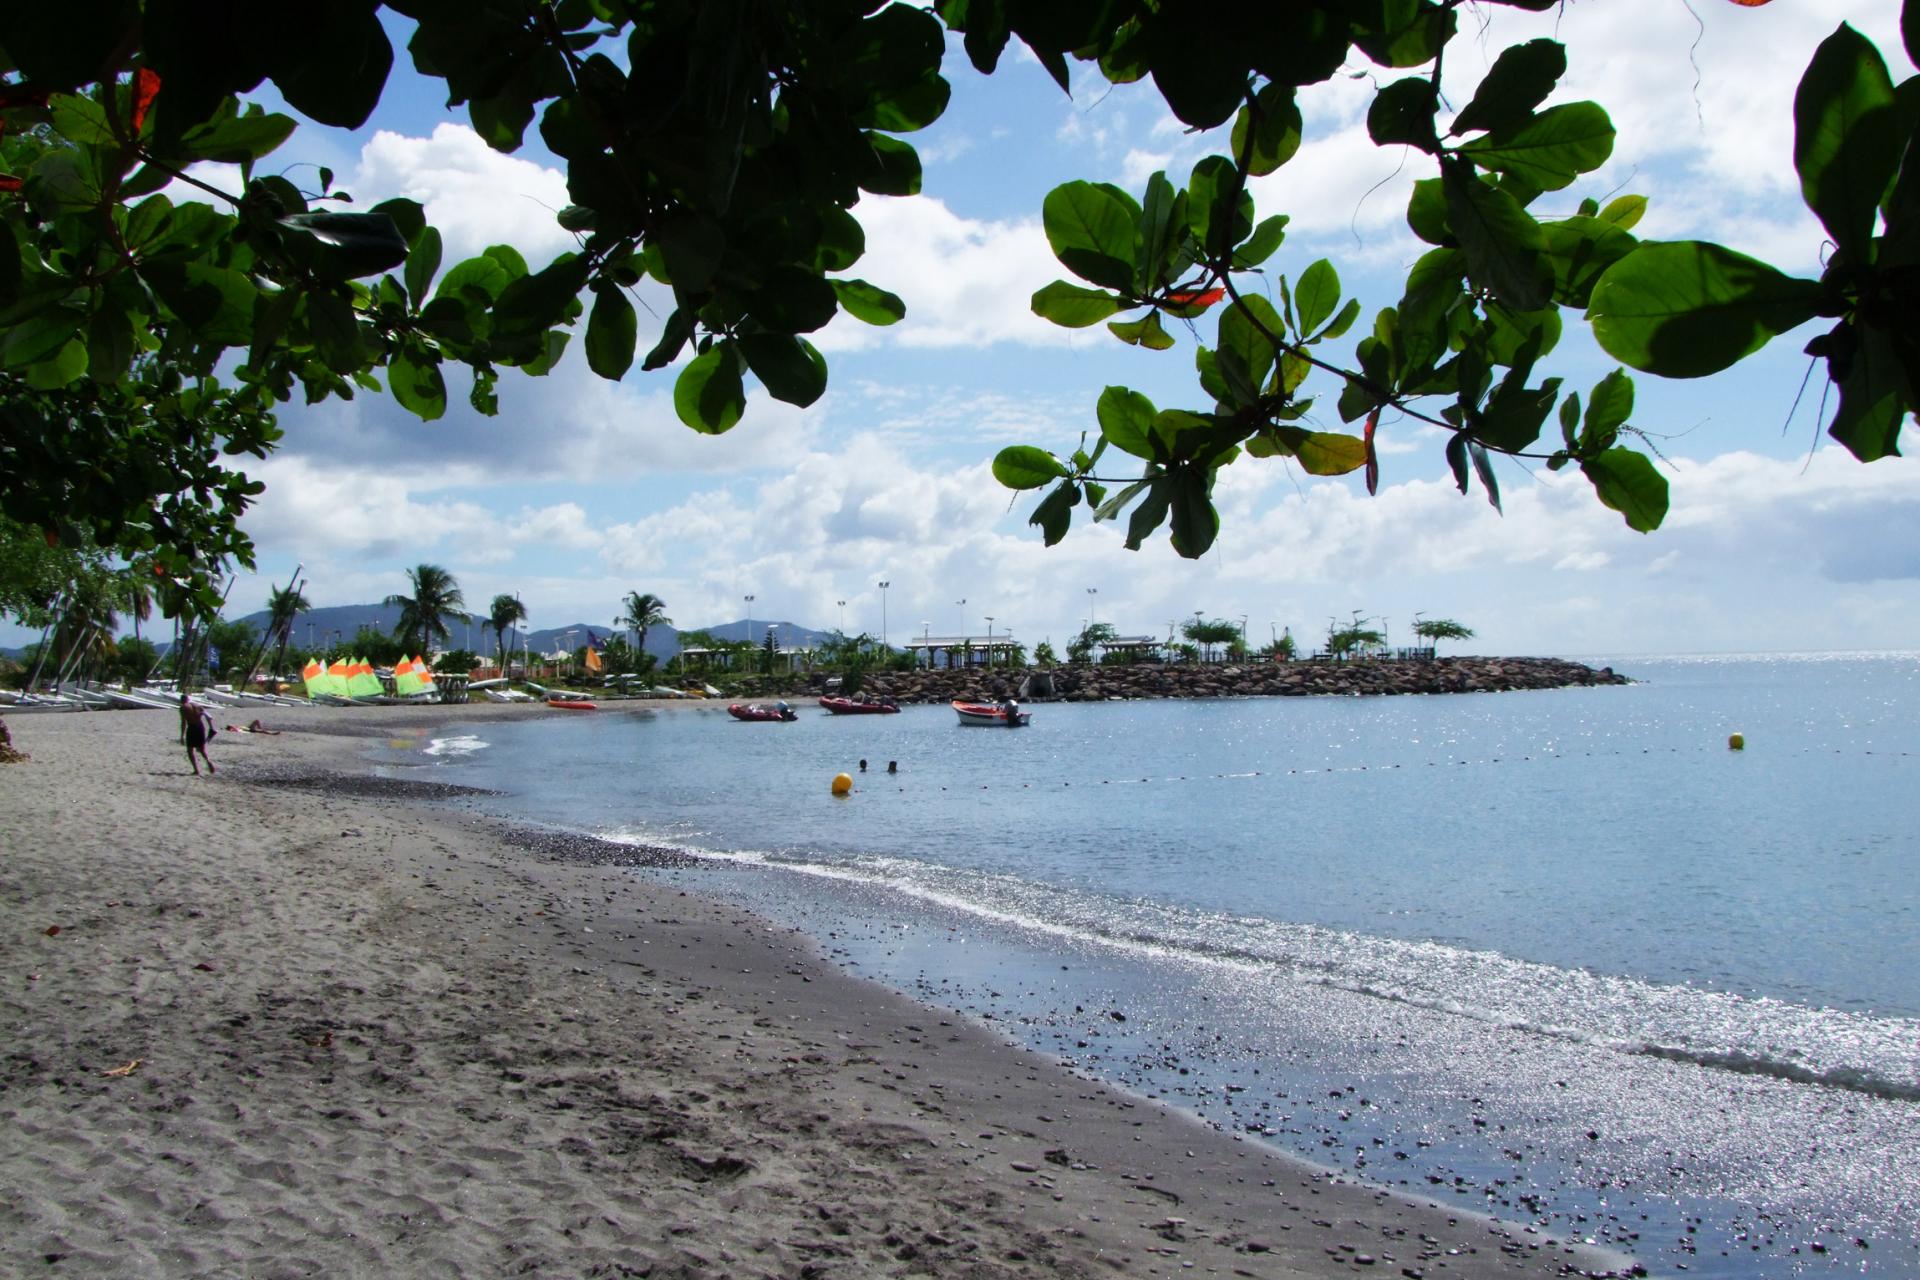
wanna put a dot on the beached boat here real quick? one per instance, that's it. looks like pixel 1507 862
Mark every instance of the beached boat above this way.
pixel 502 694
pixel 570 703
pixel 858 707
pixel 762 711
pixel 990 713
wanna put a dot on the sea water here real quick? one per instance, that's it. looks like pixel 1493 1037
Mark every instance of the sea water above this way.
pixel 1563 956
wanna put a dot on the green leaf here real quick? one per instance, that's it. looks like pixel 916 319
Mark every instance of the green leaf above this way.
pixel 1627 482
pixel 1126 420
pixel 335 331
pixel 334 72
pixel 423 262
pixel 1579 250
pixel 236 139
pixel 868 303
pixel 418 385
pixel 692 246
pixel 64 367
pixel 1685 309
pixel 1875 395
pixel 1151 513
pixel 1315 295
pixel 1520 80
pixel 1319 453
pixel 792 299
pixel 1427 212
pixel 1022 466
pixel 1145 332
pixel 1847 138
pixel 475 281
pixel 1241 333
pixel 347 246
pixel 1157 237
pixel 1258 247
pixel 1091 228
pixel 1195 522
pixel 1055 512
pixel 1276 138
pixel 1074 306
pixel 1339 325
pixel 1624 212
pixel 1610 407
pixel 1503 244
pixel 613 330
pixel 1549 150
pixel 790 368
pixel 709 395
pixel 891 167
pixel 1402 114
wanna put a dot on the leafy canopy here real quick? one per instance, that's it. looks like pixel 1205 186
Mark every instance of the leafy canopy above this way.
pixel 717 147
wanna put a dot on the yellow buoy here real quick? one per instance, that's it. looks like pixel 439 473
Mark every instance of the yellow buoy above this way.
pixel 842 783
pixel 1737 742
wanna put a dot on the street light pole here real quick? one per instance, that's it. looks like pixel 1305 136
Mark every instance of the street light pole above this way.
pixel 843 616
pixel 749 627
pixel 883 615
pixel 926 640
pixel 1091 593
pixel 989 642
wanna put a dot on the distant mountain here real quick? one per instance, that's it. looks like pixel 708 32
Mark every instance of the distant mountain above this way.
pixel 316 628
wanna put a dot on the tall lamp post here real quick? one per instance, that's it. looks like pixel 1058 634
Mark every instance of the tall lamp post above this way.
pixel 926 640
pixel 749 627
pixel 883 615
pixel 1091 602
pixel 1243 633
pixel 967 652
pixel 989 641
pixel 843 616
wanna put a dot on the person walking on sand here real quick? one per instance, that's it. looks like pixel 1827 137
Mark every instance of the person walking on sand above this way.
pixel 196 726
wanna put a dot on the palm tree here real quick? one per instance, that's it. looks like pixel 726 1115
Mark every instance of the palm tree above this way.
pixel 502 614
pixel 284 604
pixel 1436 629
pixel 422 615
pixel 643 611
pixel 135 592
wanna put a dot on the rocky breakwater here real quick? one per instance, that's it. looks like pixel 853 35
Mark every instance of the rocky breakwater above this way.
pixel 1239 680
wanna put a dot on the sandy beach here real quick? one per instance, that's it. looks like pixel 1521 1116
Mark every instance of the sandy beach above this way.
pixel 292 1021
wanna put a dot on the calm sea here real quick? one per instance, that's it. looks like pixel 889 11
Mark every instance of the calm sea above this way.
pixel 1562 956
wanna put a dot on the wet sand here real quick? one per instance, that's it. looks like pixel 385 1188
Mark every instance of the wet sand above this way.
pixel 290 1020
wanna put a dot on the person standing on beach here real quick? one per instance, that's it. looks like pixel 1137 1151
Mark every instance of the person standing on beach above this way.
pixel 196 726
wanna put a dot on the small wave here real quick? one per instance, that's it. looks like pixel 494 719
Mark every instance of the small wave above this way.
pixel 1849 1078
pixel 464 744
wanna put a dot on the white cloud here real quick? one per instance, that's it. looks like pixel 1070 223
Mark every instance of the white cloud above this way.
pixel 473 194
pixel 965 282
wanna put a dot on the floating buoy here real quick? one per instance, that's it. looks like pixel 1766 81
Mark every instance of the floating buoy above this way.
pixel 1737 742
pixel 842 783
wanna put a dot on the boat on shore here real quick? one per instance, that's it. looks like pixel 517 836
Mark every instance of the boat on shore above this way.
pixel 762 711
pixel 991 713
pixel 840 706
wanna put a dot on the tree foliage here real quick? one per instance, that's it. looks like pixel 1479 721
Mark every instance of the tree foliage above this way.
pixel 423 614
pixel 502 615
pixel 643 611
pixel 716 147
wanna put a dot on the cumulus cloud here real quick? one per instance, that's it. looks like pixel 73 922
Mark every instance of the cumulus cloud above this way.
pixel 472 193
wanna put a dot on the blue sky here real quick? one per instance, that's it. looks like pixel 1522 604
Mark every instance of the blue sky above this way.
pixel 580 490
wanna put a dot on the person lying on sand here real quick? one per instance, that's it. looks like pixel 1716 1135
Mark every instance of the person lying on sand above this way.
pixel 255 727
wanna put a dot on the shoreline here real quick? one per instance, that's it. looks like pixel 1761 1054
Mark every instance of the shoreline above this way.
pixel 375 1037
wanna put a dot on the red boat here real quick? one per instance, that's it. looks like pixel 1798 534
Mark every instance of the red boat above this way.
pixel 762 711
pixel 857 707
pixel 991 713
pixel 570 704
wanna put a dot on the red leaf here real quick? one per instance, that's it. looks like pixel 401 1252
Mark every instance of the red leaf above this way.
pixel 9 184
pixel 1373 459
pixel 1195 297
pixel 145 85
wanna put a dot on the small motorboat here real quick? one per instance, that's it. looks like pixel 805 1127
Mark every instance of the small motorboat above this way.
pixel 575 703
pixel 762 711
pixel 840 706
pixel 991 713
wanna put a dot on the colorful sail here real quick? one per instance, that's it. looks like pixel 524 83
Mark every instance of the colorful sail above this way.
pixel 361 682
pixel 406 679
pixel 425 673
